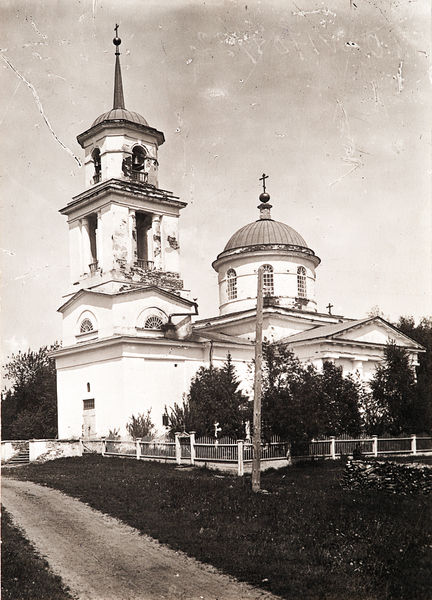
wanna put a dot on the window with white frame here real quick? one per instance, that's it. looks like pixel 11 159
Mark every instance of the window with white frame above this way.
pixel 268 283
pixel 86 326
pixel 231 284
pixel 301 282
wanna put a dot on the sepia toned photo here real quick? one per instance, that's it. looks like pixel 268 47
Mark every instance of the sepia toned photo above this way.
pixel 216 300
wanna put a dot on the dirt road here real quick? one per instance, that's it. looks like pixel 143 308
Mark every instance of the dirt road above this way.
pixel 100 558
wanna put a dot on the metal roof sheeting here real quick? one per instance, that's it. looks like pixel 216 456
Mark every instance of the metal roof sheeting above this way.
pixel 121 114
pixel 265 231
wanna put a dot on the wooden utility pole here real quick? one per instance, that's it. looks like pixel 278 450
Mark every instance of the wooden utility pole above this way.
pixel 256 461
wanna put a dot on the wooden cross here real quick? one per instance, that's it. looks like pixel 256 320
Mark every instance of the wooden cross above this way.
pixel 329 306
pixel 217 429
pixel 263 178
pixel 116 29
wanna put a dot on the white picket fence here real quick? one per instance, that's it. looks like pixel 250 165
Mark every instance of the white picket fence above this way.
pixel 373 446
pixel 225 453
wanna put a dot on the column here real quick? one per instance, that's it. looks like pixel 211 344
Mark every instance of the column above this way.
pixel 240 463
pixel 156 235
pixel 85 245
pixel 99 239
pixel 192 447
pixel 133 252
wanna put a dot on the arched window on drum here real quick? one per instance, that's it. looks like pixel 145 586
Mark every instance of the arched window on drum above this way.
pixel 301 282
pixel 268 282
pixel 231 284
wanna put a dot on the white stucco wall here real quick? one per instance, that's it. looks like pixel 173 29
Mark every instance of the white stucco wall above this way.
pixel 127 378
pixel 115 144
pixel 284 276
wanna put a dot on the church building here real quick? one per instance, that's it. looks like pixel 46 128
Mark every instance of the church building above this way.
pixel 132 338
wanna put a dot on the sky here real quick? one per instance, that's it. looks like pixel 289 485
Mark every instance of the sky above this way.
pixel 331 99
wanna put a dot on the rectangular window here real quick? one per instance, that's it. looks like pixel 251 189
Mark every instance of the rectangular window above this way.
pixel 89 404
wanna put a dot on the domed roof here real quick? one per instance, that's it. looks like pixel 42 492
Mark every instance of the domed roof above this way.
pixel 265 231
pixel 117 114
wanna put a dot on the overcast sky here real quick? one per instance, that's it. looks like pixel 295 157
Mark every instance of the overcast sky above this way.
pixel 332 100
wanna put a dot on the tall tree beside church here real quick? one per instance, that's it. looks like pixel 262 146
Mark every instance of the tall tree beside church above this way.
pixel 392 407
pixel 214 397
pixel 421 333
pixel 301 402
pixel 29 406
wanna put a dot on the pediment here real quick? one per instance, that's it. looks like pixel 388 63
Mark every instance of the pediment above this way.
pixel 376 331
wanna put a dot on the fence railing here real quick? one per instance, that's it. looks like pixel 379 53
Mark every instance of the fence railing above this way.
pixel 373 446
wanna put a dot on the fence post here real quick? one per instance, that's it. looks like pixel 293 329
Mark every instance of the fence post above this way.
pixel 333 447
pixel 177 447
pixel 103 446
pixel 81 446
pixel 240 463
pixel 138 448
pixel 375 445
pixel 192 447
pixel 414 443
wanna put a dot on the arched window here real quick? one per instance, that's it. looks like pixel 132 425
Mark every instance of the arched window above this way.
pixel 153 322
pixel 231 284
pixel 268 284
pixel 301 282
pixel 96 156
pixel 86 326
pixel 138 163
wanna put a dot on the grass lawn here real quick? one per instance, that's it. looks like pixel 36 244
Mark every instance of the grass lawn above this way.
pixel 307 538
pixel 25 575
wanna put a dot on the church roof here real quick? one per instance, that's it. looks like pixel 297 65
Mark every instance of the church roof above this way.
pixel 121 114
pixel 265 231
pixel 329 331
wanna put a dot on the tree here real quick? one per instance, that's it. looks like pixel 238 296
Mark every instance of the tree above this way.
pixel 421 333
pixel 299 402
pixel 392 407
pixel 29 407
pixel 141 426
pixel 214 397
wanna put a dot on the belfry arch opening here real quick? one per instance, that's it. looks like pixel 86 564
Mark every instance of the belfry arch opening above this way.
pixel 138 164
pixel 143 240
pixel 97 163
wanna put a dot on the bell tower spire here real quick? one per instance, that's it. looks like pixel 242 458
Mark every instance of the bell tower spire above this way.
pixel 118 84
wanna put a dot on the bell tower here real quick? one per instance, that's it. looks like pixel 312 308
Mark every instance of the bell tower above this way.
pixel 123 228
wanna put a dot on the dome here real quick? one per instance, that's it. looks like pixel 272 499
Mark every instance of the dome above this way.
pixel 265 231
pixel 117 114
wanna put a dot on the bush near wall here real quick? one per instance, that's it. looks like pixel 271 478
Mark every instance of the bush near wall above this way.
pixel 388 476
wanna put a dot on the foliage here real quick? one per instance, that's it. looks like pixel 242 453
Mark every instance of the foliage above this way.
pixel 25 575
pixel 213 397
pixel 299 402
pixel 306 538
pixel 393 405
pixel 421 333
pixel 113 434
pixel 141 426
pixel 29 407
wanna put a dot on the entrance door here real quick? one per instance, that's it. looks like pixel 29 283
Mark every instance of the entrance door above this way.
pixel 89 419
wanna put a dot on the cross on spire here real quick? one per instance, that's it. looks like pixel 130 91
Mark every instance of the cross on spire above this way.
pixel 118 85
pixel 329 306
pixel 263 178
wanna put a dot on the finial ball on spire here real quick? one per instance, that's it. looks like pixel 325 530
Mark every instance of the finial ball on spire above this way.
pixel 116 40
pixel 264 197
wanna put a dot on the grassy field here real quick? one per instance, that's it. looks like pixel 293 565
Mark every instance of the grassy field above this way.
pixel 307 537
pixel 25 576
